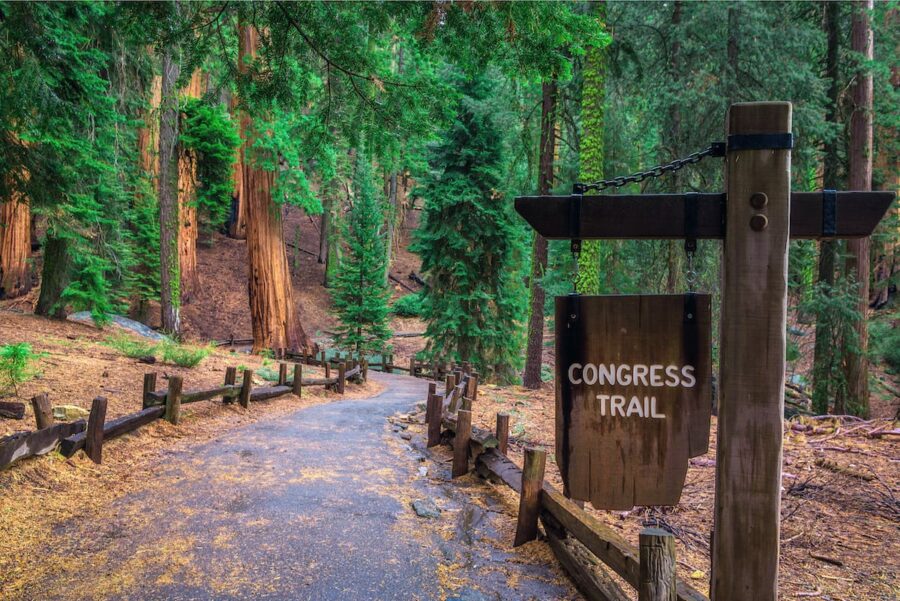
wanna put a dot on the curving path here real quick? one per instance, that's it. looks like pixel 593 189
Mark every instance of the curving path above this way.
pixel 312 505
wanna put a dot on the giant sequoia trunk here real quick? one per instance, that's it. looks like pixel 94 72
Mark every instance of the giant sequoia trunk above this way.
pixel 237 224
pixel 860 154
pixel 275 323
pixel 531 377
pixel 15 247
pixel 187 187
pixel 169 221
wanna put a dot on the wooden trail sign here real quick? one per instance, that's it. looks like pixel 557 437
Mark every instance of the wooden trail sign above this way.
pixel 633 402
pixel 756 217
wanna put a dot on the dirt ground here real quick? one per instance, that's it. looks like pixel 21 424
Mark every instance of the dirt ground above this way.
pixel 839 500
pixel 40 494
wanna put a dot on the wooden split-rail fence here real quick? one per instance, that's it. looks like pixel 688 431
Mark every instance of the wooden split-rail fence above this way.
pixel 581 543
pixel 90 434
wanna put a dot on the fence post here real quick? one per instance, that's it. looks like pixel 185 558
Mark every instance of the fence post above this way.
pixel 342 376
pixel 282 374
pixel 657 573
pixel 93 439
pixel 43 413
pixel 530 495
pixel 173 400
pixel 230 379
pixel 473 386
pixel 449 383
pixel 149 386
pixel 412 366
pixel 461 443
pixel 388 361
pixel 297 384
pixel 365 369
pixel 751 402
pixel 502 432
pixel 246 386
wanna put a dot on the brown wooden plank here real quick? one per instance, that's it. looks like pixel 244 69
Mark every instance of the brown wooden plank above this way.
pixel 752 359
pixel 173 400
pixel 196 395
pixel 502 432
pixel 113 429
pixel 604 542
pixel 246 387
pixel 269 392
pixel 433 417
pixel 297 382
pixel 661 368
pixel 480 440
pixel 38 442
pixel 12 410
pixel 149 387
pixel 583 567
pixel 662 216
pixel 319 381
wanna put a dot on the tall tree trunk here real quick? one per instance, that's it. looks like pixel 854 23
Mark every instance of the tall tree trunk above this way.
pixel 148 147
pixel 860 155
pixel 169 219
pixel 237 226
pixel 531 377
pixel 323 227
pixel 591 152
pixel 275 323
pixel 392 211
pixel 187 190
pixel 54 276
pixel 15 247
pixel 824 351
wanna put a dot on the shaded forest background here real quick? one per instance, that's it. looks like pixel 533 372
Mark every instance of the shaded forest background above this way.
pixel 207 166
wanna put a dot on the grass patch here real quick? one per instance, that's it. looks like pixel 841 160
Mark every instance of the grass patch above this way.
pixel 131 348
pixel 17 365
pixel 183 355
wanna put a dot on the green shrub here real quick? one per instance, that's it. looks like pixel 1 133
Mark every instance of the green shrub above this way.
pixel 885 341
pixel 183 355
pixel 408 306
pixel 128 346
pixel 17 365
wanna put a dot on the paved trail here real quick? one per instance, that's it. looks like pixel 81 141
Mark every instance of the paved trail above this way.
pixel 312 505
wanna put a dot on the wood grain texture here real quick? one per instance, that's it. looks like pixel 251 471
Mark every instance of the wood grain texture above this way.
pixel 618 461
pixel 173 400
pixel 433 410
pixel 657 553
pixel 297 382
pixel 461 443
pixel 661 216
pixel 246 386
pixel 43 413
pixel 230 379
pixel 93 435
pixel 502 432
pixel 601 540
pixel 149 386
pixel 11 410
pixel 754 305
pixel 530 495
pixel 27 444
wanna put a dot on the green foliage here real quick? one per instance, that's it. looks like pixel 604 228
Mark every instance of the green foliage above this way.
pixel 361 294
pixel 183 355
pixel 884 336
pixel 267 373
pixel 408 306
pixel 209 134
pixel 132 348
pixel 471 245
pixel 17 365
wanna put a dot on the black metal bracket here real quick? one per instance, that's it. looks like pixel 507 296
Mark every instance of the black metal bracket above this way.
pixel 690 222
pixel 829 213
pixel 780 141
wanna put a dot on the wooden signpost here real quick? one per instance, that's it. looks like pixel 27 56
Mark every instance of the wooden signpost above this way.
pixel 633 402
pixel 756 217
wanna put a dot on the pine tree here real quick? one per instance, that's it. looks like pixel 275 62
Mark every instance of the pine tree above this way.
pixel 471 247
pixel 360 294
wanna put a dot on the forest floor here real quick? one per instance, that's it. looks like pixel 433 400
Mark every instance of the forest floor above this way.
pixel 840 507
pixel 311 503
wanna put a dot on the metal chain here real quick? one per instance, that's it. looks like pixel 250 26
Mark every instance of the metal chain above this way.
pixel 716 149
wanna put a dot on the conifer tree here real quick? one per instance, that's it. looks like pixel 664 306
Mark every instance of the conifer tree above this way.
pixel 360 293
pixel 471 247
